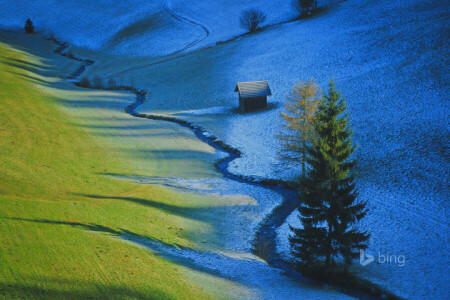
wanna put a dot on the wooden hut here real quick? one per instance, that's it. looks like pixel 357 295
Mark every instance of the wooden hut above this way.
pixel 253 95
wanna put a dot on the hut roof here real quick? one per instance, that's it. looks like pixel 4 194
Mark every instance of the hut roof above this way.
pixel 253 89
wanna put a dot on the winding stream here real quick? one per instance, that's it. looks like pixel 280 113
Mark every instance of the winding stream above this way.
pixel 265 238
pixel 264 243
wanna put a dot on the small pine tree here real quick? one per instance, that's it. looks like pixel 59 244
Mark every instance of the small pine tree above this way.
pixel 97 82
pixel 29 27
pixel 300 107
pixel 329 193
pixel 112 84
pixel 304 7
pixel 84 82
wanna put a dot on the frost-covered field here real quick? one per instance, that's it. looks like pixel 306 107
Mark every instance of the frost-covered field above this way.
pixel 229 255
pixel 221 17
pixel 132 26
pixel 137 27
pixel 246 206
pixel 389 59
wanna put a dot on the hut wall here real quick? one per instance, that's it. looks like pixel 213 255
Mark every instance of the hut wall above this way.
pixel 254 103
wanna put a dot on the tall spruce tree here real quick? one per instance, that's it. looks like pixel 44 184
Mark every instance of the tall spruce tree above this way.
pixel 329 209
pixel 299 110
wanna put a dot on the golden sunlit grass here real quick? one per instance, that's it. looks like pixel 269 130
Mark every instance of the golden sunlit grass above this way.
pixel 60 211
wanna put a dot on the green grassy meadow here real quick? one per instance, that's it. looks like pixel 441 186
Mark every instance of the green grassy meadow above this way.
pixel 62 214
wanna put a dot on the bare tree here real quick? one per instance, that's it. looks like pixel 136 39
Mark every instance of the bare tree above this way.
pixel 251 19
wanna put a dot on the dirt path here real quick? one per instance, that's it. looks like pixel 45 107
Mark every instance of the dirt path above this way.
pixel 184 19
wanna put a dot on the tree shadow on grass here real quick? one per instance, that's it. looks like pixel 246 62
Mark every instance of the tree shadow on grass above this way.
pixel 204 213
pixel 131 135
pixel 21 64
pixel 117 127
pixel 71 289
pixel 240 267
pixel 171 154
pixel 128 130
pixel 168 251
pixel 203 185
pixel 91 227
pixel 96 102
pixel 32 79
pixel 41 69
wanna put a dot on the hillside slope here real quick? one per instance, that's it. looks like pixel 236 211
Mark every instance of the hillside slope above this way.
pixel 96 203
pixel 137 27
pixel 62 216
pixel 389 60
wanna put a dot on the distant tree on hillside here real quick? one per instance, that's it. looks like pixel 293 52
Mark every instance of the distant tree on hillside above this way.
pixel 84 82
pixel 112 84
pixel 251 19
pixel 299 110
pixel 70 53
pixel 97 82
pixel 49 35
pixel 29 27
pixel 303 7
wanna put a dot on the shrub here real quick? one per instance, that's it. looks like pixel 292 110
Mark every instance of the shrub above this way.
pixel 97 82
pixel 49 35
pixel 84 82
pixel 112 84
pixel 29 27
pixel 70 53
pixel 251 19
pixel 303 7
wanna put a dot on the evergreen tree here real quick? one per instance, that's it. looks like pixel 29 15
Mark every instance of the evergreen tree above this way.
pixel 300 107
pixel 97 82
pixel 112 84
pixel 329 207
pixel 29 27
pixel 84 82
pixel 307 242
pixel 303 6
